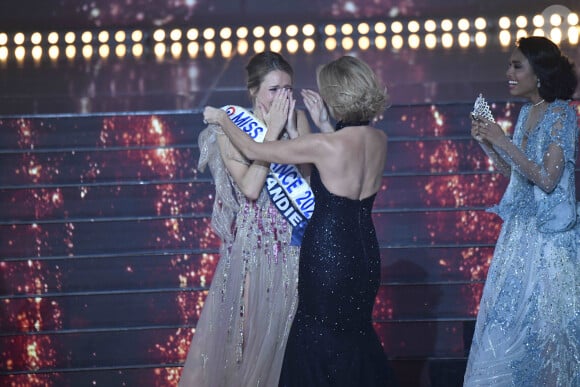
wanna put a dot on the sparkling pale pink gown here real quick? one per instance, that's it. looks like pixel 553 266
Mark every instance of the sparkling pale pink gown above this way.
pixel 241 335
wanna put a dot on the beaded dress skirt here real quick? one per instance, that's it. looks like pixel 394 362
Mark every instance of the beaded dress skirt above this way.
pixel 241 334
pixel 332 341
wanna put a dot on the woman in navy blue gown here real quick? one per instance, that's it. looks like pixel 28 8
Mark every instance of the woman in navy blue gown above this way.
pixel 332 341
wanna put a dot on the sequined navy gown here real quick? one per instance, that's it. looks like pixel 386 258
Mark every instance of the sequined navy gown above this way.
pixel 332 341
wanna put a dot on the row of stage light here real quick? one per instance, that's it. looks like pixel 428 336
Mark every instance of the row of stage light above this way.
pixel 226 41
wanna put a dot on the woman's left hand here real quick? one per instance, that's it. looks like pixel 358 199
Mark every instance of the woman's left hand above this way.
pixel 487 131
pixel 276 116
pixel 315 106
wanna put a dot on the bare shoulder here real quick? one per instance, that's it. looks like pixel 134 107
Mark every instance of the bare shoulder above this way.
pixel 223 141
pixel 379 133
pixel 228 150
pixel 369 133
pixel 377 138
pixel 346 138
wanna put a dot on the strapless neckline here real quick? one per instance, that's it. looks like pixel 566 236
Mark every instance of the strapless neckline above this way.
pixel 342 124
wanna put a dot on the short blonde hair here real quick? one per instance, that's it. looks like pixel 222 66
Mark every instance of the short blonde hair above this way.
pixel 351 90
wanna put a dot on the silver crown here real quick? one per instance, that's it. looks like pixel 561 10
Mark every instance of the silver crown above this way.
pixel 481 109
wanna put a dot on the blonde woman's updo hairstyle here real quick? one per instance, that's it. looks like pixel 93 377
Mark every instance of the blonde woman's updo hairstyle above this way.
pixel 351 90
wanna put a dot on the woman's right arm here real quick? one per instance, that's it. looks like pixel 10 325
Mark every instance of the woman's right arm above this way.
pixel 249 175
pixel 308 148
pixel 503 167
pixel 499 163
pixel 545 174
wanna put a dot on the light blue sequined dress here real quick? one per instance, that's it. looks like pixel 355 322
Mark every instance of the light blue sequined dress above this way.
pixel 528 326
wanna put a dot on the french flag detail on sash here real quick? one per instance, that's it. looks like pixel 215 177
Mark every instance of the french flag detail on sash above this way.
pixel 288 190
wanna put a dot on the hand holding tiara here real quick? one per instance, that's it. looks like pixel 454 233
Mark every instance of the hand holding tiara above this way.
pixel 481 109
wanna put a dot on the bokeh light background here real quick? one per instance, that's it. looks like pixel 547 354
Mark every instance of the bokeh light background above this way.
pixel 106 250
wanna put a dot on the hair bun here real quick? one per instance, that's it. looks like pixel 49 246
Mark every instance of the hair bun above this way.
pixel 568 70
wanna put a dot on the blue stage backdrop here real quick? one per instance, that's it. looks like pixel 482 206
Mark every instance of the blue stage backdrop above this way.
pixel 106 251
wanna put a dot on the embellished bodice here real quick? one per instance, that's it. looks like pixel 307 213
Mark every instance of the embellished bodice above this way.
pixel 343 124
pixel 522 197
pixel 231 206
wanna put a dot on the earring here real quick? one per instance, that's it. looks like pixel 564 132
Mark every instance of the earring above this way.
pixel 538 84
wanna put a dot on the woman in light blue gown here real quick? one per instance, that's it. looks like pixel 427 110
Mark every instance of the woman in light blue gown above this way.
pixel 528 326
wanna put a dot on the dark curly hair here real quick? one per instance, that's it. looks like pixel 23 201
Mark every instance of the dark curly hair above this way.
pixel 554 70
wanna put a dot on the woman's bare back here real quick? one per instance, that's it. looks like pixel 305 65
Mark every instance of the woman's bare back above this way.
pixel 354 162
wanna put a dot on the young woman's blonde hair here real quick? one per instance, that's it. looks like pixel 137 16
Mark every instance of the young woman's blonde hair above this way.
pixel 351 90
